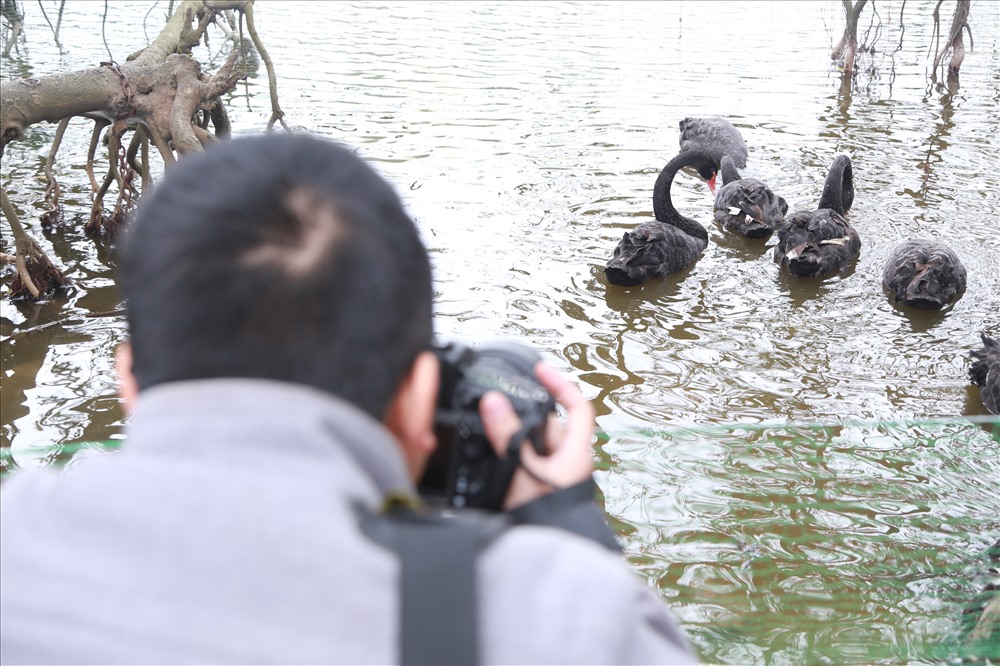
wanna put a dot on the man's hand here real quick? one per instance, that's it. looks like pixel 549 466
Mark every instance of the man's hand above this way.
pixel 569 460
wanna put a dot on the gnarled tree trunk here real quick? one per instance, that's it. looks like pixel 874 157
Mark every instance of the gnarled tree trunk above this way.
pixel 846 49
pixel 159 92
pixel 955 43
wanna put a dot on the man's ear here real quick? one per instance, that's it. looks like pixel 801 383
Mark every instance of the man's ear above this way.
pixel 410 416
pixel 128 388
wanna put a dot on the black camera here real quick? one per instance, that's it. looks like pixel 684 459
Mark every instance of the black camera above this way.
pixel 464 471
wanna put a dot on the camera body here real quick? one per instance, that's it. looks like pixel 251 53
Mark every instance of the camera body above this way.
pixel 464 471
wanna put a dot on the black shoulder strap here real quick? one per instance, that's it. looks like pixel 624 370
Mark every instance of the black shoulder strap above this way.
pixel 438 555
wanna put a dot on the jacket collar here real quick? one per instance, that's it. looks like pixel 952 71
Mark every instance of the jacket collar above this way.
pixel 259 421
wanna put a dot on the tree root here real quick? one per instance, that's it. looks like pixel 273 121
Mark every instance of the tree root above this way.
pixel 140 142
pixel 95 138
pixel 163 95
pixel 100 223
pixel 37 277
pixel 54 215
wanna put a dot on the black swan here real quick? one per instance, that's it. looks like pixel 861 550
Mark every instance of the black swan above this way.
pixel 669 243
pixel 985 372
pixel 715 136
pixel 816 243
pixel 747 206
pixel 924 274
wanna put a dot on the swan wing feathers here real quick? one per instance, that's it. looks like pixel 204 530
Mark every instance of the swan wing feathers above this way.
pixel 816 243
pixel 749 207
pixel 924 273
pixel 650 250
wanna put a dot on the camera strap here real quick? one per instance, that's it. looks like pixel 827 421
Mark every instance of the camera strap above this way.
pixel 438 597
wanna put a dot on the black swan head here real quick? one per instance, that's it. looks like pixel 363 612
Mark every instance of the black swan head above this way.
pixel 747 206
pixel 716 136
pixel 985 372
pixel 817 243
pixel 925 274
pixel 671 242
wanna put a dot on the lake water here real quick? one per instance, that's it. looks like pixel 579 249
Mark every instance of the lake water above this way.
pixel 802 470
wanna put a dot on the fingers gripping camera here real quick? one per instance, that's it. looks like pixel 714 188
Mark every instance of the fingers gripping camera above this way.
pixel 464 471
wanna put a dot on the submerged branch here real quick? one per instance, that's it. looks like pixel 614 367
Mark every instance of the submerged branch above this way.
pixel 272 80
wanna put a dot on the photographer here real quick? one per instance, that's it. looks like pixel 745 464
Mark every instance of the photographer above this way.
pixel 282 389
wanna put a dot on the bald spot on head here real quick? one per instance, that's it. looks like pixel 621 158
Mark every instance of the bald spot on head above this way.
pixel 298 253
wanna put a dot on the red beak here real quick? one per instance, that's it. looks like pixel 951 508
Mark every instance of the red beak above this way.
pixel 711 183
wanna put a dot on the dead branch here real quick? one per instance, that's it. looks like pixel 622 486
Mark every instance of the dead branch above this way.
pixel 846 49
pixel 955 43
pixel 902 28
pixel 15 19
pixel 272 80
pixel 54 29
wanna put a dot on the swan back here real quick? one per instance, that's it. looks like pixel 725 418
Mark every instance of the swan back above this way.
pixel 816 243
pixel 747 206
pixel 651 250
pixel 924 274
pixel 713 135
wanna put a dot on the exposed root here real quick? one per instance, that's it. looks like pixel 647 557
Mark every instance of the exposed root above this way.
pixel 164 96
pixel 109 226
pixel 54 215
pixel 162 147
pixel 140 143
pixel 220 121
pixel 52 218
pixel 37 277
pixel 95 138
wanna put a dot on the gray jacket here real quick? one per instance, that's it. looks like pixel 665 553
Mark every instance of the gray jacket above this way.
pixel 227 531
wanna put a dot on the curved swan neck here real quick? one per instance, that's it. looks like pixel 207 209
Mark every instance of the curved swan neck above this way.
pixel 663 206
pixel 729 172
pixel 838 190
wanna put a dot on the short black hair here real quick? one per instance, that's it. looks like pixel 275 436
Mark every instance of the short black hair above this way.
pixel 279 256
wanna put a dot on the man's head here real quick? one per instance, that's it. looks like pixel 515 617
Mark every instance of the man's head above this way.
pixel 280 257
